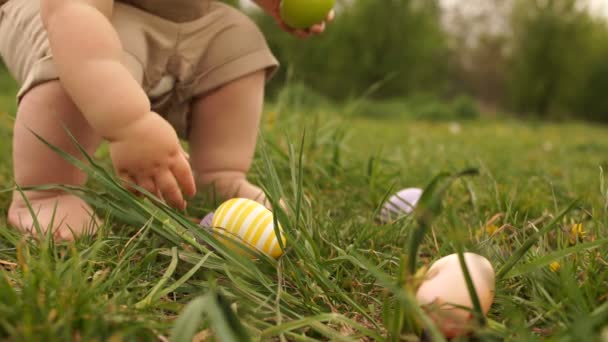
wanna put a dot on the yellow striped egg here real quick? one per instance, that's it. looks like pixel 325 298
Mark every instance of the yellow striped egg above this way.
pixel 251 223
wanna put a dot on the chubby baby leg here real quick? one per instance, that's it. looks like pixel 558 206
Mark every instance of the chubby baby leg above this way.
pixel 48 111
pixel 223 136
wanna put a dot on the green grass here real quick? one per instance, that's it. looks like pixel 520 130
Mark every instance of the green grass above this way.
pixel 145 277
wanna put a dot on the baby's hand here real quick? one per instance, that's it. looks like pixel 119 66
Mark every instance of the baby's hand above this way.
pixel 272 7
pixel 315 29
pixel 148 154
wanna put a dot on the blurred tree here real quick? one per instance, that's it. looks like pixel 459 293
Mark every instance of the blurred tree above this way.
pixel 393 47
pixel 534 57
pixel 479 34
pixel 550 55
pixel 592 102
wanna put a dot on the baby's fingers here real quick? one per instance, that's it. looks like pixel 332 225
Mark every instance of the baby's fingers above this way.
pixel 147 183
pixel 183 175
pixel 128 182
pixel 186 155
pixel 330 16
pixel 318 28
pixel 170 191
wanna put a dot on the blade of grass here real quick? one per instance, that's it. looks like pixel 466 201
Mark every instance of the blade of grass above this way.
pixel 163 280
pixel 471 287
pixel 519 253
pixel 181 280
pixel 304 322
pixel 428 208
pixel 406 299
pixel 549 258
pixel 189 320
pixel 224 322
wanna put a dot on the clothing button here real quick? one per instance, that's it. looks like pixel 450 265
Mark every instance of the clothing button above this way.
pixel 164 86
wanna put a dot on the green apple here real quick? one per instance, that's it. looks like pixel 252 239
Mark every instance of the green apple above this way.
pixel 302 14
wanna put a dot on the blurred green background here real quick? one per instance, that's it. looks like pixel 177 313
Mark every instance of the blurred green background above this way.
pixel 436 59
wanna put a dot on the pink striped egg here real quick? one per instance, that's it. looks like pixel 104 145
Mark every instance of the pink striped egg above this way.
pixel 207 221
pixel 400 204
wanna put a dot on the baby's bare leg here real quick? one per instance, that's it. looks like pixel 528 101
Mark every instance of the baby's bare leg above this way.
pixel 223 137
pixel 48 111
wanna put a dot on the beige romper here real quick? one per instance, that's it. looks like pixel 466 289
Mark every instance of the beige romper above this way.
pixel 176 49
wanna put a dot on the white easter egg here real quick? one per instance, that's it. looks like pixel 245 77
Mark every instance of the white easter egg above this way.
pixel 445 288
pixel 251 223
pixel 400 204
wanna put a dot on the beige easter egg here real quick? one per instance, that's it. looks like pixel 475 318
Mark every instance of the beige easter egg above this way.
pixel 445 288
pixel 251 223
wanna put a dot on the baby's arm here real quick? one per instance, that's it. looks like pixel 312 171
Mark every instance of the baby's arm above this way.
pixel 88 53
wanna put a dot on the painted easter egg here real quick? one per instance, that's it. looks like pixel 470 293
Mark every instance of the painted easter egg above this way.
pixel 400 204
pixel 207 221
pixel 444 292
pixel 302 14
pixel 251 223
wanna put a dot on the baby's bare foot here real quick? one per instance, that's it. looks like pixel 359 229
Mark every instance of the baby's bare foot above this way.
pixel 68 216
pixel 226 186
pixel 243 189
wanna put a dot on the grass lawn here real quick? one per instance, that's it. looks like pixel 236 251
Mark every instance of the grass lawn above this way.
pixel 145 278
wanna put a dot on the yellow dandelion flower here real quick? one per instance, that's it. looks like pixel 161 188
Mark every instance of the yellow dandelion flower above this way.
pixel 271 118
pixel 491 229
pixel 576 233
pixel 555 266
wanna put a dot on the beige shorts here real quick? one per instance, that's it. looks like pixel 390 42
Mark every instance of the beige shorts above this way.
pixel 174 62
